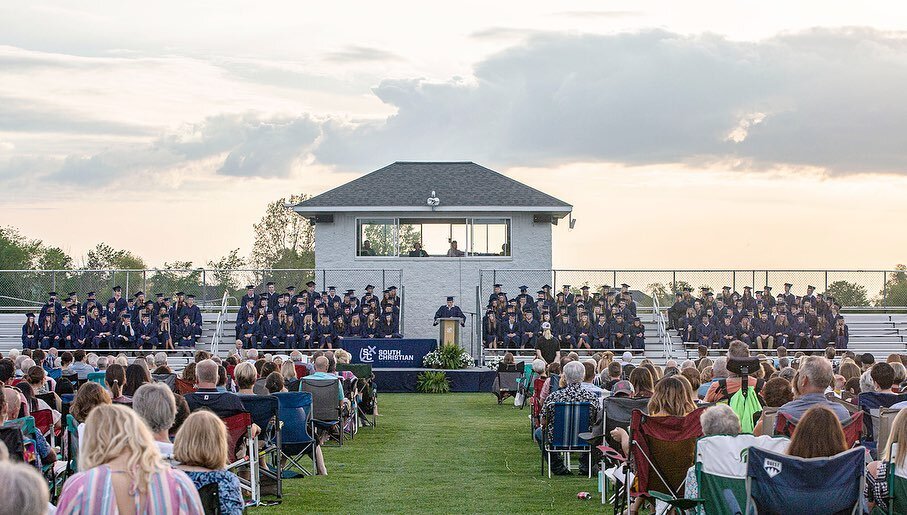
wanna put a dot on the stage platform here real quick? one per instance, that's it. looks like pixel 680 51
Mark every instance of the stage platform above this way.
pixel 403 380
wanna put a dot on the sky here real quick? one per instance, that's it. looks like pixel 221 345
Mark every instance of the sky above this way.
pixel 695 134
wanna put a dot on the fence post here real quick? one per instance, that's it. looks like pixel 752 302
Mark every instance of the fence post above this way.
pixel 126 293
pixel 402 304
pixel 144 280
pixel 384 281
pixel 884 289
pixel 614 279
pixel 674 280
pixel 826 281
pixel 53 280
pixel 478 353
pixel 733 280
pixel 324 279
pixel 204 286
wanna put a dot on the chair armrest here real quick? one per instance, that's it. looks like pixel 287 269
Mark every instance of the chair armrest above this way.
pixel 612 453
pixel 679 502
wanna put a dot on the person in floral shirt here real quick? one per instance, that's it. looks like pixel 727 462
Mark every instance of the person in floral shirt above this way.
pixel 573 392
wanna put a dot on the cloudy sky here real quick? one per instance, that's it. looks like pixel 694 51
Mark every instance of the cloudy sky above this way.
pixel 686 134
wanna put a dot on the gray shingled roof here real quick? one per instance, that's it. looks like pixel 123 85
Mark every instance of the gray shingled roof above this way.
pixel 409 184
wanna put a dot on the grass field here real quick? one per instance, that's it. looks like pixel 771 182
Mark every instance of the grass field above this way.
pixel 454 453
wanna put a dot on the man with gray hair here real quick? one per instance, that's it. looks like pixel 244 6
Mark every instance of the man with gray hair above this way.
pixel 573 373
pixel 207 396
pixel 813 378
pixel 154 402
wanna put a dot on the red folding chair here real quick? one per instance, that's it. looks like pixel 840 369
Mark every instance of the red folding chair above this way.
pixel 44 422
pixel 662 449
pixel 301 371
pixel 853 428
pixel 239 431
pixel 183 387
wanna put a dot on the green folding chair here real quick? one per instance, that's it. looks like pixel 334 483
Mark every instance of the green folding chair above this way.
pixel 897 485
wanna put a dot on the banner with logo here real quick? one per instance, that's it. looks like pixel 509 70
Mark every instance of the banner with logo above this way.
pixel 389 352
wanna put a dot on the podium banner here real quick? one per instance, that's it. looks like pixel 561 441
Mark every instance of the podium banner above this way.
pixel 389 352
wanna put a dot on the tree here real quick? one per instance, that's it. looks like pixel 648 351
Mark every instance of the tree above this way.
pixel 174 277
pixel 222 277
pixel 103 257
pixel 664 293
pixel 283 239
pixel 895 291
pixel 848 293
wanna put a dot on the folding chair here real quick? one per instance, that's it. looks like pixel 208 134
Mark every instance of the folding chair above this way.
pixel 98 377
pixel 54 373
pixel 296 434
pixel 14 441
pixel 870 403
pixel 617 412
pixel 769 419
pixel 239 431
pixel 367 403
pixel 71 445
pixel 662 449
pixel 26 426
pixel 721 469
pixel 886 422
pixel 167 379
pixel 264 410
pixel 350 389
pixel 570 419
pixel 326 412
pixel 777 483
pixel 535 404
pixel 525 384
pixel 183 387
pixel 44 422
pixel 853 428
pixel 851 407
pixel 210 497
pixel 897 484
pixel 506 384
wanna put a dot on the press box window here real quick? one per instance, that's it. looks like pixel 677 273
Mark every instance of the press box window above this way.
pixel 376 237
pixel 490 237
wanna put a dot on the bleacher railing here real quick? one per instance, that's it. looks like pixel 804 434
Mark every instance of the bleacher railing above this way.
pixel 219 326
pixel 658 316
pixel 24 289
pixel 856 290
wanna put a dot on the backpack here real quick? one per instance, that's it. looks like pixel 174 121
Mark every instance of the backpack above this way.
pixel 745 406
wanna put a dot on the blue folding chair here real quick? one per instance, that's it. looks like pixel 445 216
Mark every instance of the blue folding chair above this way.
pixel 98 377
pixel 777 483
pixel 570 419
pixel 871 404
pixel 265 412
pixel 296 435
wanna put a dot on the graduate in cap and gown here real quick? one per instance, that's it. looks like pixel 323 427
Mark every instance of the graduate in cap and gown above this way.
pixel 450 310
pixel 30 332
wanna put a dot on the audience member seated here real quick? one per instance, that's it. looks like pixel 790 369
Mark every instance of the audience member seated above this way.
pixel 206 396
pixel 642 382
pixel 155 403
pixel 571 392
pixel 274 383
pixel 136 375
pixel 877 487
pixel 122 471
pixel 80 366
pixel 115 379
pixel 24 490
pixel 719 419
pixel 90 396
pixel 200 448
pixel 819 434
pixel 776 393
pixel 245 376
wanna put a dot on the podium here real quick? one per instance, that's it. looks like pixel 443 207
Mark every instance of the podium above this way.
pixel 450 331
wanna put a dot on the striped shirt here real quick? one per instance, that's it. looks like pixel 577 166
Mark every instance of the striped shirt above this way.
pixel 170 491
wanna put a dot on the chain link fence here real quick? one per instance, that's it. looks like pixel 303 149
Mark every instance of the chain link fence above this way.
pixel 29 288
pixel 852 288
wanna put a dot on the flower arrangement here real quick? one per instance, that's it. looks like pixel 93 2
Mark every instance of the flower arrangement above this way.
pixel 450 357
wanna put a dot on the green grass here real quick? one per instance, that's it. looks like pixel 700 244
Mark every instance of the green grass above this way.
pixel 439 454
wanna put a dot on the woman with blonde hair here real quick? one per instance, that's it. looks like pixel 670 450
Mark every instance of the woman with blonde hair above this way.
pixel 245 375
pixel 200 447
pixel 120 471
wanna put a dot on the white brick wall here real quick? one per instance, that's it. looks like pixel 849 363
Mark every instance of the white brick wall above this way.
pixel 429 280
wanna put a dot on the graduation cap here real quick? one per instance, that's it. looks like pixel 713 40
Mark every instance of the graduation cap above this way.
pixel 497 285
pixel 115 288
pixel 788 285
pixel 767 288
pixel 709 294
pixel 566 286
pixel 165 316
pixel 747 287
pixel 584 288
pixel 250 287
pixel 392 288
pixel 269 283
pixel 350 292
pixel 332 288
pixel 810 287
pixel 560 294
pixel 190 296
pixel 450 298
pixel 678 294
pixel 51 294
pixel 540 292
pixel 546 287
pixel 527 310
pixel 291 288
pixel 624 285
pixel 159 295
pixel 726 288
pixel 180 293
pixel 125 315
pixel 636 319
pixel 310 283
pixel 166 299
pixel 130 299
pixel 524 288
pixel 385 291
pixel 29 315
pixel 369 287
pixel 72 294
pixel 688 289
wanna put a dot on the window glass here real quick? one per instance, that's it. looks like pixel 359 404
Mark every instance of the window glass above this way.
pixel 490 237
pixel 376 237
pixel 435 236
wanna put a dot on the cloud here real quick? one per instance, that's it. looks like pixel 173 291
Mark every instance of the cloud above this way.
pixel 22 115
pixel 598 14
pixel 361 54
pixel 821 98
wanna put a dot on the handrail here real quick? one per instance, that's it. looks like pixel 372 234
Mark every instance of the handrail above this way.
pixel 663 335
pixel 219 326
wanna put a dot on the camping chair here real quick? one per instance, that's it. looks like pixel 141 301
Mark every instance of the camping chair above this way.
pixel 183 387
pixel 853 428
pixel 367 402
pixel 535 404
pixel 71 445
pixel 44 422
pixel 54 373
pixel 886 422
pixel 264 410
pixel 326 412
pixel 14 441
pixel 777 483
pixel 296 435
pixel 662 449
pixel 570 419
pixel 721 469
pixel 870 403
pixel 525 384
pixel 26 426
pixel 617 412
pixel 239 432
pixel 897 484
pixel 350 393
pixel 98 377
pixel 167 379
pixel 506 384
pixel 769 419
pixel 851 407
